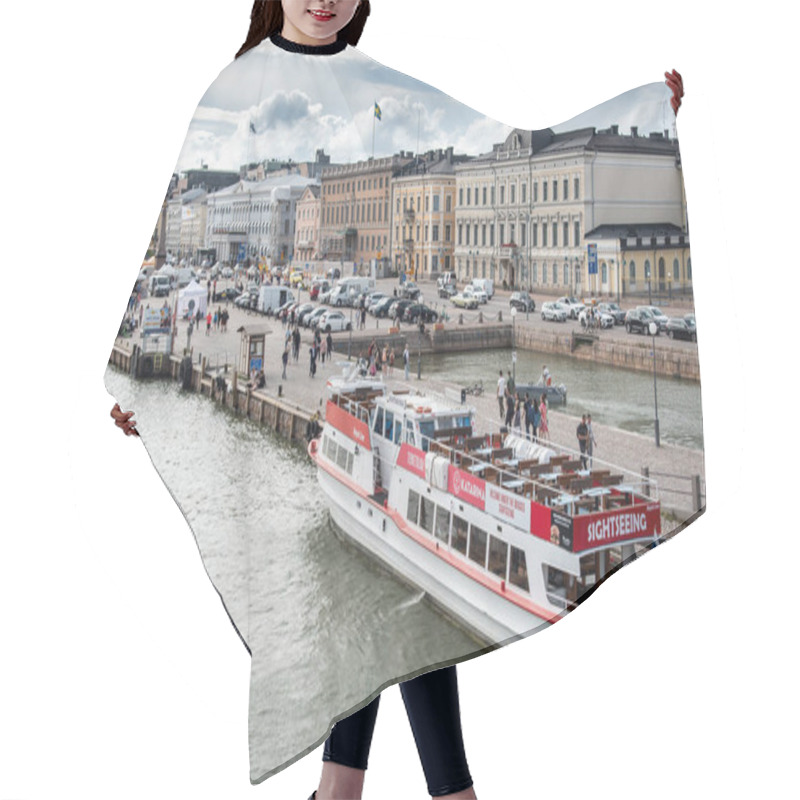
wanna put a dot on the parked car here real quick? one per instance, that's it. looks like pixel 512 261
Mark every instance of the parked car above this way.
pixel 372 299
pixel 226 294
pixel 381 307
pixel 227 272
pixel 286 312
pixel 554 312
pixel 572 305
pixel 682 328
pixel 601 319
pixel 317 287
pixel 522 301
pixel 638 320
pixel 333 320
pixel 410 290
pixel 614 310
pixel 312 320
pixel 462 300
pixel 447 290
pixel 418 311
pixel 476 292
pixel 303 311
pixel 658 315
pixel 398 308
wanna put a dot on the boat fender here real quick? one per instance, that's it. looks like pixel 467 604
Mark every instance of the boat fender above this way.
pixel 502 586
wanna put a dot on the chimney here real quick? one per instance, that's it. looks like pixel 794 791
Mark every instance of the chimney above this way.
pixel 666 135
pixel 634 130
pixel 615 130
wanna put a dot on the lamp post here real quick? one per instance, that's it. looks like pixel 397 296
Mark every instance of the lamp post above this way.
pixel 653 328
pixel 514 344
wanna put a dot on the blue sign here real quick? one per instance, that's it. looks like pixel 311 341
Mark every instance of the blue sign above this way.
pixel 256 363
pixel 592 248
pixel 242 252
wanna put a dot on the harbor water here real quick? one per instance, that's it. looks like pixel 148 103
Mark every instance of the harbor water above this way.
pixel 311 608
pixel 617 397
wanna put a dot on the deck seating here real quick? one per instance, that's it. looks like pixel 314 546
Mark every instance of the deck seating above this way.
pixel 557 461
pixel 609 480
pixel 596 474
pixel 579 484
pixel 474 442
pixel 572 464
pixel 502 453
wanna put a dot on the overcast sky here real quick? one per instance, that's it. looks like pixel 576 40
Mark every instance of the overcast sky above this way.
pixel 298 104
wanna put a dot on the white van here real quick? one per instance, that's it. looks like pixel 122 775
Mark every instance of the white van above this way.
pixel 158 285
pixel 271 298
pixel 487 284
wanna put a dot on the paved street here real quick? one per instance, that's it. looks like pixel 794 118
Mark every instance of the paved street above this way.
pixel 624 449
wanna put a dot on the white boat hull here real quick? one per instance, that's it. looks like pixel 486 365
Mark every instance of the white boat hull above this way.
pixel 490 618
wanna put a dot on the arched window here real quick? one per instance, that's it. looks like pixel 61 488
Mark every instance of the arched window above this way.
pixel 676 270
pixel 647 275
pixel 535 272
pixel 632 272
pixel 604 273
pixel 566 274
pixel 689 269
pixel 555 274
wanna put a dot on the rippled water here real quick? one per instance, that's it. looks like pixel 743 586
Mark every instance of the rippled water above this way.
pixel 613 396
pixel 326 626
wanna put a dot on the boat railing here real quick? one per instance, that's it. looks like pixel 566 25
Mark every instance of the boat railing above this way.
pixel 559 480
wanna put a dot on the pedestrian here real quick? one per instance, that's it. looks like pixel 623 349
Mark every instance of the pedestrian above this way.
pixel 312 355
pixel 528 414
pixel 501 393
pixel 406 360
pixel 391 361
pixel 189 334
pixel 285 360
pixel 363 318
pixel 208 323
pixel 323 348
pixel 385 358
pixel 509 407
pixel 296 343
pixel 329 340
pixel 537 418
pixel 544 380
pixel 544 428
pixel 517 412
pixel 511 383
pixel 583 435
pixel 590 441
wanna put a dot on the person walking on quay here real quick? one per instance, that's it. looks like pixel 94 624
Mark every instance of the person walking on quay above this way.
pixel 189 334
pixel 208 323
pixel 517 412
pixel 590 440
pixel 544 428
pixel 583 435
pixel 363 318
pixel 329 340
pixel 406 360
pixel 285 360
pixel 536 417
pixel 312 355
pixel 391 361
pixel 509 408
pixel 501 393
pixel 296 342
pixel 527 412
pixel 323 349
pixel 216 320
pixel 511 383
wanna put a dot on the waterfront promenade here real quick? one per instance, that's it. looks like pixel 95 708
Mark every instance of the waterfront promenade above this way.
pixel 632 451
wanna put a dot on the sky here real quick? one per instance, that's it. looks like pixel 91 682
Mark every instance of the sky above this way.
pixel 297 106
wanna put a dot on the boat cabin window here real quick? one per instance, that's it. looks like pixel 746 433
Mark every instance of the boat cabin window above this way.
pixel 398 430
pixel 460 527
pixel 498 555
pixel 426 427
pixel 410 437
pixel 477 545
pixel 426 510
pixel 518 570
pixel 388 428
pixel 413 506
pixel 442 530
pixel 378 421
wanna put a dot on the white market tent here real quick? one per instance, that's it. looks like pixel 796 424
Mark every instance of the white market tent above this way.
pixel 191 298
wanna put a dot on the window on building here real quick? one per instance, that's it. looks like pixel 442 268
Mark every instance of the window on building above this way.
pixel 459 235
pixel 483 236
pixel 565 193
pixel 511 233
pixel 475 234
pixel 544 234
pixel 524 191
pixel 566 275
pixel 492 191
pixel 491 237
pixel 461 196
pixel 577 234
pixel 484 195
pixel 513 193
pixel 632 272
pixel 436 202
pixel 447 233
pixel 555 190
pixel 544 191
pixel 555 234
pixel 447 203
pixel 676 270
pixel 536 191
pixel 555 274
pixel 523 234
pixel 535 271
pixel 435 233
pixel 502 194
pixel 565 235
pixel 502 233
pixel 427 202
pixel 576 188
pixel 604 273
pixel 476 195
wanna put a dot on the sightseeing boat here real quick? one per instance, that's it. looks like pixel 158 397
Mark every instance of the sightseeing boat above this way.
pixel 504 534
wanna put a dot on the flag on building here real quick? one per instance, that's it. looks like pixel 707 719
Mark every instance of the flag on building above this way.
pixel 377 111
pixel 252 127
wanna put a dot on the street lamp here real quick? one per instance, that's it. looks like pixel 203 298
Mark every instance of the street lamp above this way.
pixel 514 344
pixel 653 328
